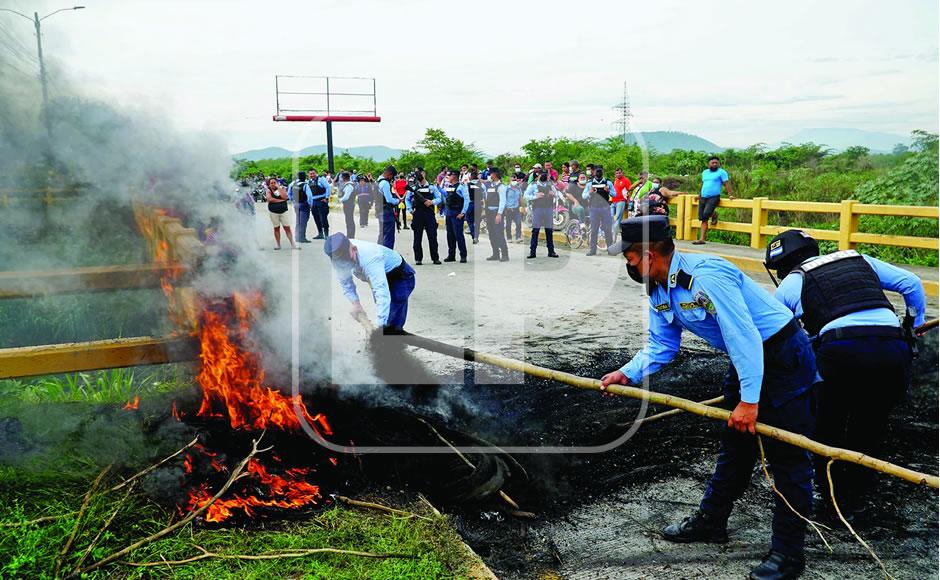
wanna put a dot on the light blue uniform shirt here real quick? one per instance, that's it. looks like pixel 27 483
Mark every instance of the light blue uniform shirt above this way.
pixel 513 197
pixel 712 182
pixel 724 306
pixel 533 189
pixel 435 197
pixel 322 182
pixel 348 191
pixel 371 265
pixel 588 190
pixel 501 192
pixel 462 190
pixel 892 278
pixel 386 188
pixel 307 192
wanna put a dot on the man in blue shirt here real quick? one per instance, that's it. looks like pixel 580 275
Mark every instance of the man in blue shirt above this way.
pixel 456 203
pixel 512 212
pixel 320 203
pixel 386 215
pixel 597 194
pixel 386 271
pixel 347 196
pixel 299 192
pixel 713 179
pixel 420 199
pixel 771 374
pixel 495 201
pixel 864 355
pixel 540 199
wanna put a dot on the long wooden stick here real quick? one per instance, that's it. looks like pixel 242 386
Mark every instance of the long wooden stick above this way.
pixel 144 472
pixel 927 325
pixel 655 398
pixel 298 553
pixel 78 520
pixel 378 506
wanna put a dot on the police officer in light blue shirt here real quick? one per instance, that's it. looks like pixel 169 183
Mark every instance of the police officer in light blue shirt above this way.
pixel 863 353
pixel 771 377
pixel 456 204
pixel 420 199
pixel 299 192
pixel 494 197
pixel 512 214
pixel 347 197
pixel 597 194
pixel 386 214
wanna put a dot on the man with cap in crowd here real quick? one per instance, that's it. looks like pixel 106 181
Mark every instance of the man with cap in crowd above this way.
pixel 771 376
pixel 456 203
pixel 348 198
pixel 387 223
pixel 385 270
pixel 863 353
pixel 540 196
pixel 420 200
pixel 320 203
pixel 597 195
pixel 495 202
pixel 475 212
pixel 299 191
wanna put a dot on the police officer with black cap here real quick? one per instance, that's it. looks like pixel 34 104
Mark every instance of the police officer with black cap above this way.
pixel 597 195
pixel 863 353
pixel 771 374
pixel 495 201
pixel 420 200
pixel 389 203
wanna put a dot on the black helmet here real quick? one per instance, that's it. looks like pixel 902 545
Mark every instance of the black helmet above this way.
pixel 788 250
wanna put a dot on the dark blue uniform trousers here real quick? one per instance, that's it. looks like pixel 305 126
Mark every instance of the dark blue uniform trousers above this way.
pixel 863 379
pixel 600 219
pixel 787 401
pixel 455 239
pixel 349 213
pixel 387 227
pixel 302 210
pixel 400 288
pixel 423 221
pixel 497 233
pixel 321 216
pixel 473 219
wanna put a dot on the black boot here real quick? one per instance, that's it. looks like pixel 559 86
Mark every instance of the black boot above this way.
pixel 698 527
pixel 493 258
pixel 778 566
pixel 530 256
pixel 450 259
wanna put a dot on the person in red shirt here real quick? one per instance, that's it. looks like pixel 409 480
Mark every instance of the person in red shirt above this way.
pixel 400 187
pixel 618 202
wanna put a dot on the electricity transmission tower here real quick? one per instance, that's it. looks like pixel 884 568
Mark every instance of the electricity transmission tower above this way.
pixel 623 107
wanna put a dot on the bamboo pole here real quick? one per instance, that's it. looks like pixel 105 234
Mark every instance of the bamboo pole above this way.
pixel 927 326
pixel 655 398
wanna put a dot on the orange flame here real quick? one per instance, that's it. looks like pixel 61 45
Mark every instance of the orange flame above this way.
pixel 289 491
pixel 133 404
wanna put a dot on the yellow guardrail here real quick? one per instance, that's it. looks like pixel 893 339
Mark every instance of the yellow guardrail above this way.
pixel 848 210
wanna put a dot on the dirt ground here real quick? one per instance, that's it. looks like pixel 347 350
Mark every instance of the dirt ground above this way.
pixel 598 514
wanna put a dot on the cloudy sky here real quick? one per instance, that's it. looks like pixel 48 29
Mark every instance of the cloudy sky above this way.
pixel 499 73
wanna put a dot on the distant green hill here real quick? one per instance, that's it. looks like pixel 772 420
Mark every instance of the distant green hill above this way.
pixel 666 141
pixel 376 152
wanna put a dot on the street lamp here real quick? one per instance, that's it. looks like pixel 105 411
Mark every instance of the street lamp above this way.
pixel 42 66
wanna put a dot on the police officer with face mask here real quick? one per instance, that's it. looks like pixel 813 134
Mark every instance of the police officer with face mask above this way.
pixel 540 196
pixel 597 195
pixel 420 200
pixel 389 203
pixel 770 377
pixel 495 198
pixel 475 212
pixel 863 353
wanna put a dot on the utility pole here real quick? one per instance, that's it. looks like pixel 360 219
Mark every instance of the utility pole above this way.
pixel 36 20
pixel 623 123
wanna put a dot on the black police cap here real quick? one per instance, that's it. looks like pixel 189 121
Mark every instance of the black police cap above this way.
pixel 654 228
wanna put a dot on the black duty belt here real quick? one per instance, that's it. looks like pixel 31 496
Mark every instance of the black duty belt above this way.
pixel 859 332
pixel 397 272
pixel 788 330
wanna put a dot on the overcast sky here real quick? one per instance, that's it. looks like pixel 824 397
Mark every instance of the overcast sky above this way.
pixel 499 73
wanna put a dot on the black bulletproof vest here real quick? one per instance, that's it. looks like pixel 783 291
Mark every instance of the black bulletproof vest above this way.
pixel 600 193
pixel 492 196
pixel 297 190
pixel 452 199
pixel 317 189
pixel 419 195
pixel 381 194
pixel 838 284
pixel 549 199
pixel 476 192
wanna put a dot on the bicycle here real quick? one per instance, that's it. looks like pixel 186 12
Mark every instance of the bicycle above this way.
pixel 577 233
